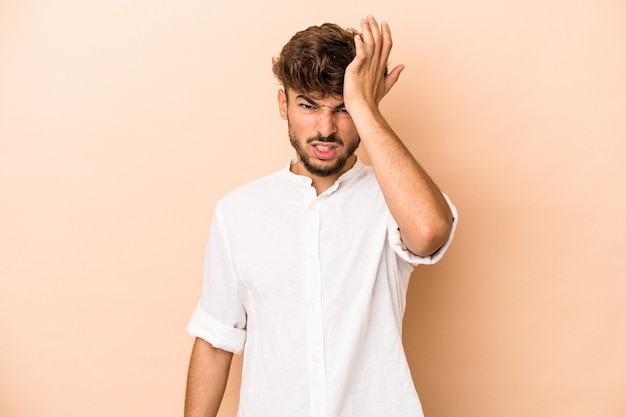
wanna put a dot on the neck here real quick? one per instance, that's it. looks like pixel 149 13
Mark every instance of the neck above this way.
pixel 322 183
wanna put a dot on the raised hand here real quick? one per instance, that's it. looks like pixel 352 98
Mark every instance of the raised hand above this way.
pixel 366 81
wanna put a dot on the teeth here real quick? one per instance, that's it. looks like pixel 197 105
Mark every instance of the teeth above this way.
pixel 324 148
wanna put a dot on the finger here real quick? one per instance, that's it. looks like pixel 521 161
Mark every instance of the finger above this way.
pixel 376 34
pixel 368 36
pixel 392 77
pixel 360 54
pixel 387 42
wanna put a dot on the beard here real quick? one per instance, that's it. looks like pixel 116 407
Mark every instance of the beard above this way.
pixel 323 169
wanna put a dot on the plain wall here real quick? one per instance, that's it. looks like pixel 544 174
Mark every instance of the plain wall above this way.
pixel 122 123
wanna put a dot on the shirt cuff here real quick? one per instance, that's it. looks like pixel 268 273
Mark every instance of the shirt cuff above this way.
pixel 221 336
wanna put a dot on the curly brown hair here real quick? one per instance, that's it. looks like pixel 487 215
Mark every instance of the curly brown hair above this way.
pixel 314 61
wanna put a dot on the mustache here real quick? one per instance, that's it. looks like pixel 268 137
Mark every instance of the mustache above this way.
pixel 328 139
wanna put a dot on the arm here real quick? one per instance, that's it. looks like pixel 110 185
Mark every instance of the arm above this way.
pixel 206 380
pixel 414 200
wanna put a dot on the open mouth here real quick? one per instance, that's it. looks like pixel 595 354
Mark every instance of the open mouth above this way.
pixel 324 150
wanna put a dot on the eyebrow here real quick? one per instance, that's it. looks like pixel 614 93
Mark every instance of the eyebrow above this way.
pixel 314 103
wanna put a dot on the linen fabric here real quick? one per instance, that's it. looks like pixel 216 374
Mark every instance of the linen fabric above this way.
pixel 312 289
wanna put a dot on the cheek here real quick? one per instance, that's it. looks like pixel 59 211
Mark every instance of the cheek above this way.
pixel 301 126
pixel 347 129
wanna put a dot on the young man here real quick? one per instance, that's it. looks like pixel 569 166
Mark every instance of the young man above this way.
pixel 307 269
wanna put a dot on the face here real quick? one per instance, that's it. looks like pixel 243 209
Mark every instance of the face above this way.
pixel 321 131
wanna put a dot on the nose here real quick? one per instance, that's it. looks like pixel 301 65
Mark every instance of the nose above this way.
pixel 326 122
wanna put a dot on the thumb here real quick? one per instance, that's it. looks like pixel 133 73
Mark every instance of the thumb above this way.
pixel 392 77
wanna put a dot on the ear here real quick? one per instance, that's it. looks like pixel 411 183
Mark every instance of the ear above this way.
pixel 282 103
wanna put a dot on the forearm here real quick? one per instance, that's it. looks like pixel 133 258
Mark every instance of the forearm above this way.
pixel 414 200
pixel 206 379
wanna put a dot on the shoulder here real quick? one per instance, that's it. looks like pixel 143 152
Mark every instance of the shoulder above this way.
pixel 363 180
pixel 253 193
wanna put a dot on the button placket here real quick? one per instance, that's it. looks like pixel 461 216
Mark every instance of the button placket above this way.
pixel 315 327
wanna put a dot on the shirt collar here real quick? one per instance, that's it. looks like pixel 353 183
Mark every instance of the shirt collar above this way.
pixel 345 177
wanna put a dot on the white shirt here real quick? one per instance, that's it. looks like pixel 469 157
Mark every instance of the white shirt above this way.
pixel 312 289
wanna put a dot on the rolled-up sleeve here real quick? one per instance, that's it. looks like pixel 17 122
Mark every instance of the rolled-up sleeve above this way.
pixel 402 251
pixel 219 317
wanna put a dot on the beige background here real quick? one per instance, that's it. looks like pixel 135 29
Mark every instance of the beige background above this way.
pixel 122 123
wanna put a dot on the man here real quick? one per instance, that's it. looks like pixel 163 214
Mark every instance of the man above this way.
pixel 307 269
